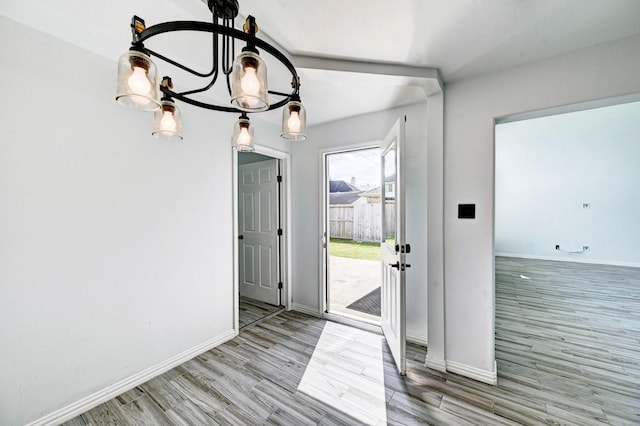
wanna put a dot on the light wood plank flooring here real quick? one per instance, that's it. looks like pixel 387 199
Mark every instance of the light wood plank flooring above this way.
pixel 567 340
pixel 252 311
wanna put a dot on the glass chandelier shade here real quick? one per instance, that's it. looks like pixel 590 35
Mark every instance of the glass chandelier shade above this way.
pixel 249 91
pixel 246 77
pixel 167 121
pixel 294 121
pixel 137 81
pixel 243 134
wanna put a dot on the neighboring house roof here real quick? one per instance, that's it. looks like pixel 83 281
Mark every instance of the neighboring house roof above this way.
pixel 343 198
pixel 341 186
pixel 373 192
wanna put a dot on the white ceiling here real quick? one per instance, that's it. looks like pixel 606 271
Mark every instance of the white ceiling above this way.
pixel 460 37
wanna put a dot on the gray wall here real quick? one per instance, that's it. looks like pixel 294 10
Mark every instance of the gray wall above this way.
pixel 115 247
pixel 471 105
pixel 547 168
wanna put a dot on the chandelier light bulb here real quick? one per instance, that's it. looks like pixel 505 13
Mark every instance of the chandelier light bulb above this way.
pixel 243 132
pixel 249 82
pixel 293 123
pixel 168 122
pixel 249 91
pixel 294 120
pixel 244 138
pixel 137 87
pixel 138 81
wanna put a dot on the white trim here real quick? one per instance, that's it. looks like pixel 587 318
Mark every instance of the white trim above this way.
pixel 348 148
pixel 314 312
pixel 74 409
pixel 353 321
pixel 571 259
pixel 426 77
pixel 490 377
pixel 285 170
pixel 235 244
pixel 436 278
pixel 324 211
pixel 285 163
pixel 418 338
pixel 324 234
pixel 436 364
pixel 564 109
pixel 288 241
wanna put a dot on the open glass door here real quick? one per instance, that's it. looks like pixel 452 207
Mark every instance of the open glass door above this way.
pixel 393 246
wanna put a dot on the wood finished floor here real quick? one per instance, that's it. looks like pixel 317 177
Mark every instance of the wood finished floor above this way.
pixel 568 341
pixel 252 311
pixel 567 345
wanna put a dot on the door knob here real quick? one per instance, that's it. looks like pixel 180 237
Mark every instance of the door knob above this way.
pixel 395 265
pixel 241 237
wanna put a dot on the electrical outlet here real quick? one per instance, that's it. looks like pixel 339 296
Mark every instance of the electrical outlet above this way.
pixel 585 248
pixel 557 246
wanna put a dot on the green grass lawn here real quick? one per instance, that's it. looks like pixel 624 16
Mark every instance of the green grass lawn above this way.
pixel 354 250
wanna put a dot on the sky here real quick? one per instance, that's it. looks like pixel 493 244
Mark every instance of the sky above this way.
pixel 363 164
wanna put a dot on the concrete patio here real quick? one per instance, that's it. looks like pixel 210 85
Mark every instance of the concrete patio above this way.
pixel 350 280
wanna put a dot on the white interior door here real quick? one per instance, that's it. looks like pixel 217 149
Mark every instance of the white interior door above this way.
pixel 394 247
pixel 258 231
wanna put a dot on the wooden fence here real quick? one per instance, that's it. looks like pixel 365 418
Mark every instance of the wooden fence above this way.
pixel 360 222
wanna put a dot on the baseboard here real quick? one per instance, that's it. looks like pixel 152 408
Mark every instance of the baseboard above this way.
pixel 417 338
pixel 314 312
pixel 110 392
pixel 436 364
pixel 571 259
pixel 490 377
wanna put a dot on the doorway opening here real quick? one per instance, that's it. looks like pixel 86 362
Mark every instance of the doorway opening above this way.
pixel 261 240
pixel 353 234
pixel 567 256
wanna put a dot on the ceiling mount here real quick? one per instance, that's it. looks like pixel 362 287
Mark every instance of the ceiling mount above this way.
pixel 245 76
pixel 225 9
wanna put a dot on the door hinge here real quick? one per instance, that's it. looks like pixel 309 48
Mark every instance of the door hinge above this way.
pixel 279 232
pixel 279 179
pixel 279 286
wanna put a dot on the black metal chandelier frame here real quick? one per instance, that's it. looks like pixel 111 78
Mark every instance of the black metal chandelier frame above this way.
pixel 226 11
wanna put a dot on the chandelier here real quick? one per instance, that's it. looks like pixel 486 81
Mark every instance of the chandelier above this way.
pixel 246 77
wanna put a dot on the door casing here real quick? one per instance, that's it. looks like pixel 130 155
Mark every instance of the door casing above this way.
pixel 324 229
pixel 285 212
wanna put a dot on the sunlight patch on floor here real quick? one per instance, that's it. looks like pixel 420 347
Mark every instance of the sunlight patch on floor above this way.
pixel 346 371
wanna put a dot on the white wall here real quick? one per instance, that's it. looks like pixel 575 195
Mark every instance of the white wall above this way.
pixel 470 108
pixel 306 204
pixel 115 248
pixel 547 168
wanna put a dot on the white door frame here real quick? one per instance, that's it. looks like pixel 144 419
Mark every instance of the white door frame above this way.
pixel 324 227
pixel 285 211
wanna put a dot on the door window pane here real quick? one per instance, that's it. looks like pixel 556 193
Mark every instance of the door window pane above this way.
pixel 389 196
